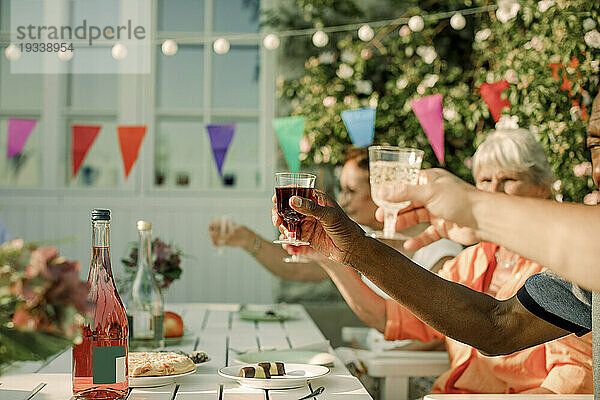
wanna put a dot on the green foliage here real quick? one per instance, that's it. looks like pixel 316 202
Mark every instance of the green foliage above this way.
pixel 394 68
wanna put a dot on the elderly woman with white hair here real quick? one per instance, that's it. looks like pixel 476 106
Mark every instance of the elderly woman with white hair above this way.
pixel 513 162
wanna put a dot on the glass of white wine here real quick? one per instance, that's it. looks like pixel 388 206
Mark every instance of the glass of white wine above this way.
pixel 388 167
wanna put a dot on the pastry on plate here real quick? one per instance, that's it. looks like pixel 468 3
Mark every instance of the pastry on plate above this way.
pixel 158 364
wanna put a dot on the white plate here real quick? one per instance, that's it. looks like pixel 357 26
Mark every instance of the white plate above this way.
pixel 287 356
pixel 296 376
pixel 153 381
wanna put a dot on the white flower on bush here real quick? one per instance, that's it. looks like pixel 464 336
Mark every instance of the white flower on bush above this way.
pixel 508 122
pixel 583 169
pixel 421 89
pixel 535 43
pixel 348 57
pixel 427 53
pixel 592 38
pixel 449 113
pixel 364 87
pixel 586 98
pixel 327 57
pixel 329 101
pixel 592 199
pixel 373 102
pixel 345 71
pixel 401 83
pixel 589 24
pixel 544 5
pixel 507 10
pixel 483 35
pixel 557 185
pixel 430 80
pixel 595 65
pixel 575 112
pixel 511 76
pixel 559 197
pixel 304 145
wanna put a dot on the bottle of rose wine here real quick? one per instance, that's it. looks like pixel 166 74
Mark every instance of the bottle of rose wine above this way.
pixel 100 360
pixel 145 310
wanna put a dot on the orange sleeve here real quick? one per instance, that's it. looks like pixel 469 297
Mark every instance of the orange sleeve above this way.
pixel 402 324
pixel 569 364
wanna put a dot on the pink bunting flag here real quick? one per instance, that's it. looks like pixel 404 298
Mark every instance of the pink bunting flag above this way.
pixel 429 113
pixel 18 133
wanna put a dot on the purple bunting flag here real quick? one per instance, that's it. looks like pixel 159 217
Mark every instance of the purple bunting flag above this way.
pixel 18 133
pixel 220 140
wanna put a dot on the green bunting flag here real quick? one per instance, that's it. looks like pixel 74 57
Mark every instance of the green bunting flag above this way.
pixel 289 132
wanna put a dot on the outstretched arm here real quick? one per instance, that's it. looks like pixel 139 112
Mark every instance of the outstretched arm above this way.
pixel 492 326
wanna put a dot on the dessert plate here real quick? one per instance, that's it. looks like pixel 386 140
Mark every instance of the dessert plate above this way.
pixel 297 375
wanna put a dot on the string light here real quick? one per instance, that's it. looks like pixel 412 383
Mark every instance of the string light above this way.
pixel 221 46
pixel 65 55
pixel 457 21
pixel 366 33
pixel 271 41
pixel 416 23
pixel 169 47
pixel 12 52
pixel 320 39
pixel 119 51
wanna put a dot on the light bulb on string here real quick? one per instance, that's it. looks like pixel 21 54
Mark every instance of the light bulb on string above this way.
pixel 169 47
pixel 271 41
pixel 458 21
pixel 221 46
pixel 320 39
pixel 416 23
pixel 119 51
pixel 65 55
pixel 12 52
pixel 365 33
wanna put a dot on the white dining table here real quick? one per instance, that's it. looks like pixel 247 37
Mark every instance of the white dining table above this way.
pixel 218 330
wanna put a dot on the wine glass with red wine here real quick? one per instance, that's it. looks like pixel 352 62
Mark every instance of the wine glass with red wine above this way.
pixel 287 185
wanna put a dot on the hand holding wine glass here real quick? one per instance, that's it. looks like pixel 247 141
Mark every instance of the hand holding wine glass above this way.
pixel 328 229
pixel 287 185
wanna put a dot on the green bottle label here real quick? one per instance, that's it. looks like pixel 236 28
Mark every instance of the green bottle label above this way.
pixel 109 365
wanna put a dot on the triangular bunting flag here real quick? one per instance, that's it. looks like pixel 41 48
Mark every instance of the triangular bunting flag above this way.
pixel 220 139
pixel 289 132
pixel 429 113
pixel 130 141
pixel 360 125
pixel 82 138
pixel 492 95
pixel 18 133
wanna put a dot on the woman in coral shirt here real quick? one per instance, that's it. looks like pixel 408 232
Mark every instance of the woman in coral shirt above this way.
pixel 513 162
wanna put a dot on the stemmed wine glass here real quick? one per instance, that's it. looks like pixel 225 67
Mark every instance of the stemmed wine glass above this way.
pixel 288 184
pixel 389 166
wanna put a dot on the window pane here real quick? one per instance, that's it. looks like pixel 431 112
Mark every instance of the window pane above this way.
pixel 181 15
pixel 91 91
pixel 180 78
pixel 241 169
pixel 236 16
pixel 236 78
pixel 179 154
pixel 102 166
pixel 19 90
pixel 24 169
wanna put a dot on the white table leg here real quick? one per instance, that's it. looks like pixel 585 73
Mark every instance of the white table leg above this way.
pixel 395 388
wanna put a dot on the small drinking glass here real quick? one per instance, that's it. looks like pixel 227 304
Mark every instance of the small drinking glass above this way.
pixel 296 257
pixel 225 226
pixel 388 167
pixel 288 184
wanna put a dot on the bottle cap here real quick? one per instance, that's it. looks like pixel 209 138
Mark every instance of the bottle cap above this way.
pixel 144 225
pixel 100 214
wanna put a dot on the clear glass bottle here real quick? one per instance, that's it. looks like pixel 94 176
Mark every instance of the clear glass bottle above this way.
pixel 100 360
pixel 145 310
